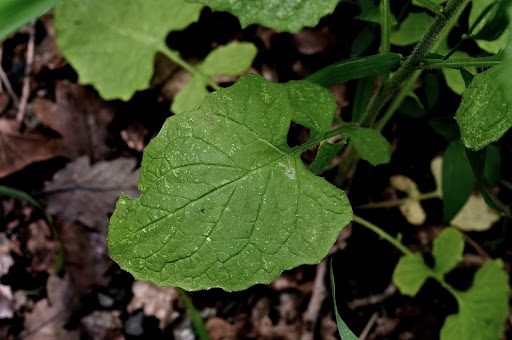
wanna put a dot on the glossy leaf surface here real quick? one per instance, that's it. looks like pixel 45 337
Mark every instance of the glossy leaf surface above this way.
pixel 227 203
pixel 283 15
pixel 484 114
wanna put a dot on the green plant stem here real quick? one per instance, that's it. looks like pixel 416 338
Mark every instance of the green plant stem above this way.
pixel 350 157
pixel 419 52
pixel 385 26
pixel 393 240
pixel 397 101
pixel 406 251
pixel 174 56
pixel 396 203
pixel 461 62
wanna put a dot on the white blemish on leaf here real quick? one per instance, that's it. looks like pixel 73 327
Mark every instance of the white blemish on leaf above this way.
pixel 290 171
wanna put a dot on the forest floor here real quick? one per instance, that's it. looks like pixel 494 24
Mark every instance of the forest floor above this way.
pixel 75 153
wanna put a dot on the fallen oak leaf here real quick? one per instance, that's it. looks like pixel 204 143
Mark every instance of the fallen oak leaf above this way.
pixel 80 117
pixel 20 149
pixel 85 193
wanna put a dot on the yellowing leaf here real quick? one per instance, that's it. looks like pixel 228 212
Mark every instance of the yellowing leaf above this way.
pixel 475 215
pixel 411 208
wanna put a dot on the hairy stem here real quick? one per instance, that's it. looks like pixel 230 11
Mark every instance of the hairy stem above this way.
pixel 409 66
pixel 461 62
pixel 385 26
pixel 408 77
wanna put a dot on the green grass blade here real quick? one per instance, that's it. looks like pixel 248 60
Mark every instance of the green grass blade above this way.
pixel 355 68
pixel 195 317
pixel 343 330
pixel 14 14
pixel 23 196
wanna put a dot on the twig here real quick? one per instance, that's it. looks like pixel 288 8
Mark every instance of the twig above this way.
pixel 25 91
pixel 373 299
pixel 318 296
pixel 368 326
pixel 5 80
pixel 478 249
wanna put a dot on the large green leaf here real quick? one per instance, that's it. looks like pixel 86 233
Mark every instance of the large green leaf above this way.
pixel 231 59
pixel 282 15
pixel 112 45
pixel 483 309
pixel 484 115
pixel 227 203
pixel 15 13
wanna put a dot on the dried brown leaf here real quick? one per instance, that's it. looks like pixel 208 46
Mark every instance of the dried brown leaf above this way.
pixel 80 117
pixel 155 301
pixel 85 255
pixel 19 149
pixel 49 316
pixel 85 193
pixel 42 247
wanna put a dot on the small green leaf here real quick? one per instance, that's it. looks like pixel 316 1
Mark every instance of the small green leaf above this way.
pixel 283 15
pixel 113 47
pixel 231 59
pixel 355 68
pixel 447 250
pixel 227 203
pixel 190 96
pixel 343 330
pixel 370 145
pixel 15 13
pixel 484 115
pixel 410 274
pixel 411 29
pixel 483 309
pixel 458 179
pixel 326 152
